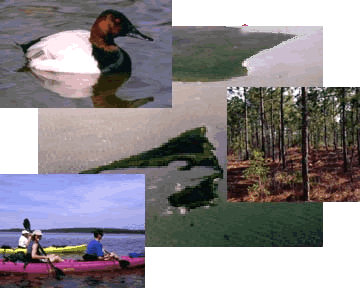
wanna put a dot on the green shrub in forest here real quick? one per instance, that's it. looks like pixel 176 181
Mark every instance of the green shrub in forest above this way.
pixel 258 172
pixel 289 178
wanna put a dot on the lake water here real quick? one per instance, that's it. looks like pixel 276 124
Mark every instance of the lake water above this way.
pixel 216 53
pixel 164 181
pixel 121 244
pixel 22 21
pixel 248 56
pixel 74 140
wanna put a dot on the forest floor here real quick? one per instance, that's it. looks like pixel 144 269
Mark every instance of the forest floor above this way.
pixel 328 182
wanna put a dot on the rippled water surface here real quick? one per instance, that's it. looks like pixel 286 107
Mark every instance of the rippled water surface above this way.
pixel 148 86
pixel 239 225
pixel 121 244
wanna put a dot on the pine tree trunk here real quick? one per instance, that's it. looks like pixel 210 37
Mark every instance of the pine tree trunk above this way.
pixel 240 141
pixel 304 146
pixel 325 103
pixel 279 143
pixel 317 141
pixel 289 138
pixel 272 128
pixel 334 124
pixel 343 125
pixel 358 117
pixel 325 138
pixel 262 123
pixel 282 127
pixel 257 135
pixel 246 132
pixel 353 107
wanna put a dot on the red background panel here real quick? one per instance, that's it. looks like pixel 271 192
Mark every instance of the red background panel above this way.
pixel 19 140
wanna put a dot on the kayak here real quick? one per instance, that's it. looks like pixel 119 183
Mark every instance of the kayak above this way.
pixel 70 266
pixel 50 249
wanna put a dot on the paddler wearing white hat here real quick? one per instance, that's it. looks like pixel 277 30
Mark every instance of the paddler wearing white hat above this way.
pixel 35 252
pixel 24 239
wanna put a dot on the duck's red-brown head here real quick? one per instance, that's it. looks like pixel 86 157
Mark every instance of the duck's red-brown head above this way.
pixel 111 24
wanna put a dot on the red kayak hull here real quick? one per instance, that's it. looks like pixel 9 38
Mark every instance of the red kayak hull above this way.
pixel 71 266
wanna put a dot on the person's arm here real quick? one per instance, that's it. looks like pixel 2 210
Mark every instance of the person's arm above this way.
pixel 34 253
pixel 99 251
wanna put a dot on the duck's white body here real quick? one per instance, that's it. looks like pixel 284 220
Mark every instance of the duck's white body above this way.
pixel 81 51
pixel 69 51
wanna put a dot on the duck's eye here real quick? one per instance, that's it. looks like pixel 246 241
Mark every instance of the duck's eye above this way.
pixel 117 20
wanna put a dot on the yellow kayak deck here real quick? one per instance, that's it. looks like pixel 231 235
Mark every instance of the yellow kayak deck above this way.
pixel 50 249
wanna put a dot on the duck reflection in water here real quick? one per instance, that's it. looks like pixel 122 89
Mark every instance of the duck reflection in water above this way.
pixel 101 89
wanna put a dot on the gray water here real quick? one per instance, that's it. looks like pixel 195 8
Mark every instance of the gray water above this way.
pixel 74 140
pixel 164 181
pixel 121 244
pixel 149 85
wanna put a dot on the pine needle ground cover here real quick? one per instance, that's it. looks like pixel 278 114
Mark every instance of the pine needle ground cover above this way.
pixel 328 182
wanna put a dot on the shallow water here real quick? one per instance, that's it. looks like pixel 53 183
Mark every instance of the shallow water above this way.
pixel 164 181
pixel 216 53
pixel 74 140
pixel 151 61
pixel 121 244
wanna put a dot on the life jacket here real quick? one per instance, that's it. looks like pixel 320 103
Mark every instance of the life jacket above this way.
pixel 38 252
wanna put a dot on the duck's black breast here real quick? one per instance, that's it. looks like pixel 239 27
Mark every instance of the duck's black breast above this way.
pixel 112 61
pixel 27 45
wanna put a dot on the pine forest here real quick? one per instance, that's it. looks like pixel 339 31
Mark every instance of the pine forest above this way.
pixel 293 144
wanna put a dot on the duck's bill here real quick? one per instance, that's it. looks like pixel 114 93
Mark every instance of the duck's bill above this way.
pixel 136 34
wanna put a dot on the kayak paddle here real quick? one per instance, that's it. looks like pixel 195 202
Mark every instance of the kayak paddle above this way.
pixel 122 263
pixel 58 272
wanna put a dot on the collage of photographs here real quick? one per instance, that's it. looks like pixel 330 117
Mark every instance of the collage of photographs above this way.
pixel 238 147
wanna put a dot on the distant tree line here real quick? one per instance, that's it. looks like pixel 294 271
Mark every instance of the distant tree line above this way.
pixel 82 230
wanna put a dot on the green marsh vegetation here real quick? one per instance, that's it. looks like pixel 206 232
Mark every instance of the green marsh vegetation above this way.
pixel 216 53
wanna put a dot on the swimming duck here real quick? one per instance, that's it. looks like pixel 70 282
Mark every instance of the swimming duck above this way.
pixel 81 51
